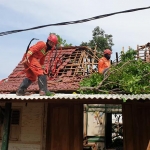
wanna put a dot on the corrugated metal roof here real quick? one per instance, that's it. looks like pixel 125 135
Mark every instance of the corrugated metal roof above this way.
pixel 76 96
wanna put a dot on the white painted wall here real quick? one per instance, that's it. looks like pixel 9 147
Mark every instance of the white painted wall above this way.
pixel 31 127
pixel 96 124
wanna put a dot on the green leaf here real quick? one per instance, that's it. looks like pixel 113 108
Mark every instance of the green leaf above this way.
pixel 124 100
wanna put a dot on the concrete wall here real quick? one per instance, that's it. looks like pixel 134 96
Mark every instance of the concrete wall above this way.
pixel 31 127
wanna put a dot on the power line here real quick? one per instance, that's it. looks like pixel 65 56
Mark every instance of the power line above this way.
pixel 73 22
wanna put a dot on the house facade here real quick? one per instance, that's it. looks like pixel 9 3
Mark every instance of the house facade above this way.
pixel 47 123
pixel 26 127
pixel 56 122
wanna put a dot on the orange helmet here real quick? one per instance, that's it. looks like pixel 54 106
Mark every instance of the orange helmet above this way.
pixel 107 51
pixel 53 38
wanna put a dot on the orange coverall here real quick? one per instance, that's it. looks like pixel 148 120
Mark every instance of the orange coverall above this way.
pixel 36 54
pixel 103 63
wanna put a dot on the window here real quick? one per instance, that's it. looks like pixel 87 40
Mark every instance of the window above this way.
pixel 15 124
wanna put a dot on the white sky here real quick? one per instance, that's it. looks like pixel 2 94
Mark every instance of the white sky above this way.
pixel 128 29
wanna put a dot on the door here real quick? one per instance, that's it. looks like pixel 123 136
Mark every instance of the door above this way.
pixel 136 126
pixel 64 127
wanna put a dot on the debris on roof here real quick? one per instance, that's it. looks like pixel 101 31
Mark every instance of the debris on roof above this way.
pixel 143 52
pixel 71 65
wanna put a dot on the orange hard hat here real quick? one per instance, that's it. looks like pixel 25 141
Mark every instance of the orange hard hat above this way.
pixel 53 38
pixel 107 51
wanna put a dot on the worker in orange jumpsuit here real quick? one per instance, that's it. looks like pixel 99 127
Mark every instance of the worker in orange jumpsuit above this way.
pixel 33 62
pixel 104 62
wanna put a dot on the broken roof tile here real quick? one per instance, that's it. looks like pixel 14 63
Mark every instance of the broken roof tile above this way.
pixel 70 66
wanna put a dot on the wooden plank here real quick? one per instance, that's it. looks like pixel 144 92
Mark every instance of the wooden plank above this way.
pixel 142 127
pixel 127 127
pixel 84 123
pixel 65 127
pixel 80 61
pixel 6 128
pixel 141 123
pixel 148 126
pixel 137 51
pixel 71 65
pixel 59 128
pixel 48 127
pixel 136 126
pixel 44 125
pixel 71 127
pixel 78 127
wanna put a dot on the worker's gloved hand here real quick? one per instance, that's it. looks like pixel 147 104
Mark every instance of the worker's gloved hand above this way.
pixel 45 71
pixel 26 60
pixel 105 72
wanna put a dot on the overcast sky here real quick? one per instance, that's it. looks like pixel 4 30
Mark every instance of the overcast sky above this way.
pixel 128 29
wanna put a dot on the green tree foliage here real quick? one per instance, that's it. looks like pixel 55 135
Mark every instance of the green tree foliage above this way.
pixel 130 76
pixel 61 41
pixel 99 39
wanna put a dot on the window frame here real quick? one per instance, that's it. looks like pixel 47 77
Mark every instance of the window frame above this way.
pixel 18 126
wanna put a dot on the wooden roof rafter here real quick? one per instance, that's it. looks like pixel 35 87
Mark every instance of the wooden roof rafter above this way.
pixel 80 62
pixel 143 52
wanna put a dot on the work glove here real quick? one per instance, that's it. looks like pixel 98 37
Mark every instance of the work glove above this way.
pixel 105 72
pixel 26 60
pixel 45 71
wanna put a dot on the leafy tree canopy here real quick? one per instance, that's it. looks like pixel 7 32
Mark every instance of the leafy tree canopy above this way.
pixel 99 39
pixel 130 76
pixel 61 41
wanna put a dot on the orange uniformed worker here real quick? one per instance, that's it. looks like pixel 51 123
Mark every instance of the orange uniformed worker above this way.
pixel 104 62
pixel 33 62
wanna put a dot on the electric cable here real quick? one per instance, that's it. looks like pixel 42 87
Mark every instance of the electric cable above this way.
pixel 73 22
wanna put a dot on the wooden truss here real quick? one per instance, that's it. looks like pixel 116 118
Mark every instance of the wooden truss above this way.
pixel 81 62
pixel 143 52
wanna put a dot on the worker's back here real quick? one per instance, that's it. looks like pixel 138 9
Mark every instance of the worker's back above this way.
pixel 103 64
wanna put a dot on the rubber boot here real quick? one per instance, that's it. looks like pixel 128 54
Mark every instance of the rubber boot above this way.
pixel 42 82
pixel 23 87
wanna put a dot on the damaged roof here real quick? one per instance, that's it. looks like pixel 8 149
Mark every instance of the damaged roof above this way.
pixel 66 67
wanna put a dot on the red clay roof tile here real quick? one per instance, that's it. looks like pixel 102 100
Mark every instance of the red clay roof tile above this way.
pixel 65 79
